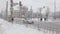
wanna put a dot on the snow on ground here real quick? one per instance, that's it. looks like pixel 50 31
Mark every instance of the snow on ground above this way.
pixel 9 28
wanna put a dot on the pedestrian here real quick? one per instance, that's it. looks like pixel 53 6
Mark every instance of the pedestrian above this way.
pixel 12 19
pixel 41 19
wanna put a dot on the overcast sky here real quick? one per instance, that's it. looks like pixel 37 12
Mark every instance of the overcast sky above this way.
pixel 34 3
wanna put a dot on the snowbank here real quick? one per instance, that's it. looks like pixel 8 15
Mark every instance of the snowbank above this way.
pixel 9 28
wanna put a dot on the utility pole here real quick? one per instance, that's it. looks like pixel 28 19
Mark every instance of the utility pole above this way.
pixel 54 8
pixel 31 12
pixel 11 7
pixel 11 10
pixel 6 10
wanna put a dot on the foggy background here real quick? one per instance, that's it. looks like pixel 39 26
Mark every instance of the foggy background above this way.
pixel 34 3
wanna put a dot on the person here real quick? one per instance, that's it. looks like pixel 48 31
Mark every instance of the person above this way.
pixel 41 19
pixel 12 20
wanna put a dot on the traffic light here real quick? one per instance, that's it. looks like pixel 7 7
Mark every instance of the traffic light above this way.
pixel 20 4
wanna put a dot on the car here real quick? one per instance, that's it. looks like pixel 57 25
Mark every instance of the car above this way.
pixel 29 21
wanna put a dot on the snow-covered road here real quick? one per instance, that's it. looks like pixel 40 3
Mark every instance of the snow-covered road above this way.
pixel 9 28
pixel 53 25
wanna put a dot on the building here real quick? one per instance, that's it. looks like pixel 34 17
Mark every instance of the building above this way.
pixel 21 12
